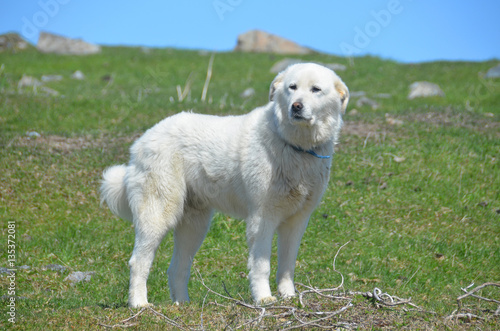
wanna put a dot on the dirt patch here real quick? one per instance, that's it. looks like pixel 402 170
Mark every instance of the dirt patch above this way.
pixel 68 144
pixel 480 122
pixel 362 129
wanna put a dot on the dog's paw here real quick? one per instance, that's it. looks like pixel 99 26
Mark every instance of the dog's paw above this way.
pixel 181 302
pixel 137 305
pixel 288 297
pixel 267 301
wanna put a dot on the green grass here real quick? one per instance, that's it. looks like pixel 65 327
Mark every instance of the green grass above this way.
pixel 420 228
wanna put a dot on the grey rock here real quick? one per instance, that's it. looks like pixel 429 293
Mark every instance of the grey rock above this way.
pixel 249 92
pixel 79 276
pixel 54 267
pixel 262 42
pixel 51 43
pixel 493 72
pixel 364 101
pixel 424 89
pixel 12 41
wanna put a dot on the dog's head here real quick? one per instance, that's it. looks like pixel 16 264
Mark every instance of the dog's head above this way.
pixel 309 100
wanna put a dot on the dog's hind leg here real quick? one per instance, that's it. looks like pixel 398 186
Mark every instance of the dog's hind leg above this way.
pixel 159 212
pixel 188 237
pixel 147 241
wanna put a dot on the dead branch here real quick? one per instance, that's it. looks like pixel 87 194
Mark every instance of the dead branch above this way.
pixel 471 293
pixel 468 316
pixel 314 323
pixel 388 300
pixel 320 292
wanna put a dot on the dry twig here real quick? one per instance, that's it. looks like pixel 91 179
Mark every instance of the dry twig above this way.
pixel 123 323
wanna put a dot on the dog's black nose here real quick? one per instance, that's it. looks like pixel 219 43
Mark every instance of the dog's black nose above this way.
pixel 297 107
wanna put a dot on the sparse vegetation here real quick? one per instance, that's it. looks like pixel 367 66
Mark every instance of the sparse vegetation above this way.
pixel 414 189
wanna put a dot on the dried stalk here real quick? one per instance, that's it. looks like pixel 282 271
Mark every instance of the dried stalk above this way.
pixel 207 80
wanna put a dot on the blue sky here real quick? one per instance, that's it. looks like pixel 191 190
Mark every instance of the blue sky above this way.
pixel 404 30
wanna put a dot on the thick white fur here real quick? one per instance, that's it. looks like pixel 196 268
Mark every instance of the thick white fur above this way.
pixel 249 166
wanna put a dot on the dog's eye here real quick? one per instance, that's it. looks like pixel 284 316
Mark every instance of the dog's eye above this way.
pixel 315 89
pixel 292 87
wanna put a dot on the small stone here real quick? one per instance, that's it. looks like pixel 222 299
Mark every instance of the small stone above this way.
pixel 364 101
pixel 79 276
pixel 383 95
pixel 249 92
pixel 78 75
pixel 353 112
pixel 54 267
pixel 33 134
pixel 51 78
pixel 392 121
pixel 49 91
pixel 357 94
pixel 424 89
pixel 28 81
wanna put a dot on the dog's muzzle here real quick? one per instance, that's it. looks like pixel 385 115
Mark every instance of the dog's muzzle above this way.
pixel 297 112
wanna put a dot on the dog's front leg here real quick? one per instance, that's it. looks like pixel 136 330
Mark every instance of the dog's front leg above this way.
pixel 260 236
pixel 290 234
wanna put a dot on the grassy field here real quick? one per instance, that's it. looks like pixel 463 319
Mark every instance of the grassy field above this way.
pixel 414 192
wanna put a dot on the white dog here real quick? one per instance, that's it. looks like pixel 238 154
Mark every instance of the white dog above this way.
pixel 270 167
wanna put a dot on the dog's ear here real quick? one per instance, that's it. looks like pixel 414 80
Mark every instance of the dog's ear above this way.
pixel 344 94
pixel 275 85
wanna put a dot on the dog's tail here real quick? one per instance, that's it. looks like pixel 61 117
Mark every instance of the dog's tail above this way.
pixel 114 193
